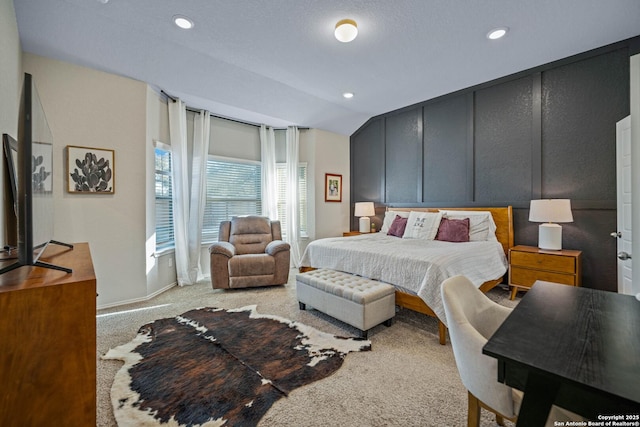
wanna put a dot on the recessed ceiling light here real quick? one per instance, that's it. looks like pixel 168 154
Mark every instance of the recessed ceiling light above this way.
pixel 183 22
pixel 346 30
pixel 347 95
pixel 497 33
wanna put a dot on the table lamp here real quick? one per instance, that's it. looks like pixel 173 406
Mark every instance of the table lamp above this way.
pixel 364 210
pixel 549 212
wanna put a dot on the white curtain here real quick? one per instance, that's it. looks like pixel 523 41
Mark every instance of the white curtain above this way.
pixel 189 186
pixel 201 131
pixel 180 187
pixel 269 180
pixel 293 204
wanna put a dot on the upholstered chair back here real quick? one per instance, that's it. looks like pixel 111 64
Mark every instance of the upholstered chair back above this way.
pixel 472 318
pixel 249 235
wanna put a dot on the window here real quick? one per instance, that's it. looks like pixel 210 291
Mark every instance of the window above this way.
pixel 233 189
pixel 164 201
pixel 281 170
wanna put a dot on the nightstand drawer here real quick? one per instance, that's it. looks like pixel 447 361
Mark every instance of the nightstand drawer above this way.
pixel 526 277
pixel 547 262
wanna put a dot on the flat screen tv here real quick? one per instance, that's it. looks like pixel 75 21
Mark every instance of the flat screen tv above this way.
pixel 30 169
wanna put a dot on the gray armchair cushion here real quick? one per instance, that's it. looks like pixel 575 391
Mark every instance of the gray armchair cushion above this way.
pixel 250 235
pixel 251 265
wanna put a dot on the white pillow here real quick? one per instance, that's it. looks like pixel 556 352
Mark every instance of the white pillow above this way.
pixel 481 225
pixel 422 225
pixel 389 216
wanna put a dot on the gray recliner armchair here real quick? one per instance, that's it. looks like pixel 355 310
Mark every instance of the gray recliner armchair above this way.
pixel 249 252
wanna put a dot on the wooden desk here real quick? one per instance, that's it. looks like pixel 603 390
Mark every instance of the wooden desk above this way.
pixel 48 342
pixel 576 347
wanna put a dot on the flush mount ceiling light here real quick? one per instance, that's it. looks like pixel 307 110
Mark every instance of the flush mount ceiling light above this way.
pixel 346 30
pixel 183 22
pixel 347 95
pixel 497 33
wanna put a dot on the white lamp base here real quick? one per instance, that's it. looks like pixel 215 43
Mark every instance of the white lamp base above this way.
pixel 550 236
pixel 365 224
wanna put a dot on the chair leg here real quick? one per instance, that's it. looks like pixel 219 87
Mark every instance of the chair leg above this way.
pixel 499 420
pixel 473 417
pixel 442 332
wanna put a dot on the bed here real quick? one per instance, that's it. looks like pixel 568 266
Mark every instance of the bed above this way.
pixel 417 267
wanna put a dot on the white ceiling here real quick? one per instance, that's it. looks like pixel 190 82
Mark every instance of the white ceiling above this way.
pixel 277 62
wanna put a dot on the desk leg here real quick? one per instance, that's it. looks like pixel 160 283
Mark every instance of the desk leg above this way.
pixel 539 395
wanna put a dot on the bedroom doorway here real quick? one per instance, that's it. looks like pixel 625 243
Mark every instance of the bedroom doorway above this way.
pixel 624 199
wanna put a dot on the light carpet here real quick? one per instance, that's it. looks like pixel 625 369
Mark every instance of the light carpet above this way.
pixel 408 379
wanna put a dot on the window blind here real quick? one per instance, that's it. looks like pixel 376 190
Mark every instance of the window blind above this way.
pixel 233 189
pixel 164 201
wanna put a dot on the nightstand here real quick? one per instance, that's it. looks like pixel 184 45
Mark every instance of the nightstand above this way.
pixel 351 233
pixel 528 264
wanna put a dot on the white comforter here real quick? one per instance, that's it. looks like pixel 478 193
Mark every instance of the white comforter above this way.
pixel 415 265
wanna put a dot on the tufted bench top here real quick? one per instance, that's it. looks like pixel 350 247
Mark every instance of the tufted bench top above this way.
pixel 348 286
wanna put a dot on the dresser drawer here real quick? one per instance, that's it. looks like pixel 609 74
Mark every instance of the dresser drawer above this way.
pixel 546 262
pixel 526 277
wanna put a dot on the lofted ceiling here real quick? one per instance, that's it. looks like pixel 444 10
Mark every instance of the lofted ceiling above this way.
pixel 277 61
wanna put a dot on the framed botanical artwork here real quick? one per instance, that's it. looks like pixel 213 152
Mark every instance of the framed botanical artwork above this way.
pixel 332 187
pixel 90 170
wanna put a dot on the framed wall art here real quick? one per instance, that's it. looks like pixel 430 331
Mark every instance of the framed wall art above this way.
pixel 332 187
pixel 90 170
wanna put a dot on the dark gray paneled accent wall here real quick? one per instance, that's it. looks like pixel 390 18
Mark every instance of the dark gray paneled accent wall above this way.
pixel 403 150
pixel 548 132
pixel 503 115
pixel 367 163
pixel 580 102
pixel 448 151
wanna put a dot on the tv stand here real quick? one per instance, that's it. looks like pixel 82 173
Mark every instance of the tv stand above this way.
pixel 37 261
pixel 48 330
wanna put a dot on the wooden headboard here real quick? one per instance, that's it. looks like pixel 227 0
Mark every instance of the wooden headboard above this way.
pixel 502 216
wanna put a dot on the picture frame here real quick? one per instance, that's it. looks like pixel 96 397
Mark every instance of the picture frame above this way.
pixel 90 170
pixel 332 187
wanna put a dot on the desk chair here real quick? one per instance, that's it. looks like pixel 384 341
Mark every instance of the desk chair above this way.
pixel 472 318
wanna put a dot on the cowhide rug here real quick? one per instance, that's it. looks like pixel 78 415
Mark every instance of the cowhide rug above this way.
pixel 213 367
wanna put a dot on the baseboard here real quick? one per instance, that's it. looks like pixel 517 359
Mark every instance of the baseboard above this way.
pixel 135 300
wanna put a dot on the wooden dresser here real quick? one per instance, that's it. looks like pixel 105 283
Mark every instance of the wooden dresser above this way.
pixel 48 342
pixel 528 264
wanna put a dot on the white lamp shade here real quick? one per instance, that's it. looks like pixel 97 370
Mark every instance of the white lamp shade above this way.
pixel 364 209
pixel 346 30
pixel 550 210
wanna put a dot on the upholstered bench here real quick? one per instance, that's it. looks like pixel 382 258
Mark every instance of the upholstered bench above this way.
pixel 360 302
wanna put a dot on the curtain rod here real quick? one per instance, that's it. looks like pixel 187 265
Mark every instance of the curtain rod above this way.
pixel 193 110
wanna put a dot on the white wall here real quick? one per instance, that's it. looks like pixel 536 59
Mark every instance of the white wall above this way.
pixel 327 152
pixel 90 108
pixel 10 85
